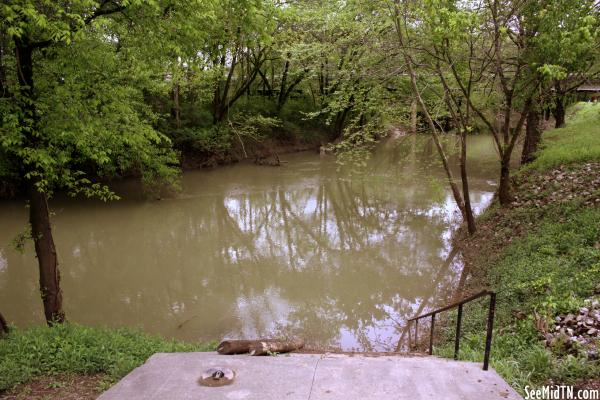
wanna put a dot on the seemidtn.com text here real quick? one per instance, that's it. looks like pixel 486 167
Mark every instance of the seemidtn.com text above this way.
pixel 560 392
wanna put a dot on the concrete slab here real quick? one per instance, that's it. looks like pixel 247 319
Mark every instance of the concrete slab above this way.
pixel 311 377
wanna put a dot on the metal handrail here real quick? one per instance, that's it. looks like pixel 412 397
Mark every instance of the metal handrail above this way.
pixel 459 304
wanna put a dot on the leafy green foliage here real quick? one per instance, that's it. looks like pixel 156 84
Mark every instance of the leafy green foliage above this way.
pixel 85 117
pixel 567 36
pixel 71 348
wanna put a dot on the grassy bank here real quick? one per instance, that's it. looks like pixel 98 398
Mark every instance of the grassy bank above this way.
pixel 542 256
pixel 577 143
pixel 71 349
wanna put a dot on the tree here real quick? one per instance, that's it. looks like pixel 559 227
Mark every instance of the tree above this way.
pixel 237 51
pixel 565 40
pixel 481 47
pixel 561 55
pixel 439 31
pixel 71 116
pixel 333 53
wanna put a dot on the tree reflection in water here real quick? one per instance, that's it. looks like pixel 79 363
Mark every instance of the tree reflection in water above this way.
pixel 247 251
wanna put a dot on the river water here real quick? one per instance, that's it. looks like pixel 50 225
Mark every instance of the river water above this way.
pixel 338 257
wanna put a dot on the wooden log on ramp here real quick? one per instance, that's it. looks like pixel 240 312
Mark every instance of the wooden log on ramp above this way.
pixel 229 347
pixel 262 348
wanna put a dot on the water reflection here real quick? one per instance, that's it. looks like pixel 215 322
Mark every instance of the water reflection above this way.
pixel 339 259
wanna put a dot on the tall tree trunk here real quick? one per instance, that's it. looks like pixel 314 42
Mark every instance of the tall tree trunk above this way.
pixel 340 121
pixel 216 103
pixel 559 111
pixel 282 89
pixel 284 95
pixel 3 325
pixel 41 231
pixel 176 110
pixel 533 135
pixel 223 100
pixel 39 216
pixel 559 105
pixel 340 118
pixel 504 194
pixel 272 78
pixel 218 98
pixel 470 218
pixel 321 80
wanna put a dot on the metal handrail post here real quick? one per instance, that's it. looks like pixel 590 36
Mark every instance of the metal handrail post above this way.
pixel 416 334
pixel 490 328
pixel 431 334
pixel 409 336
pixel 457 339
pixel 459 304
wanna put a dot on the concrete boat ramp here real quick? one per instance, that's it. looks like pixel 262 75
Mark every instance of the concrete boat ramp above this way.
pixel 174 376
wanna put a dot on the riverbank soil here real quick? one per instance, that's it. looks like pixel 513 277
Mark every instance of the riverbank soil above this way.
pixel 262 152
pixel 541 254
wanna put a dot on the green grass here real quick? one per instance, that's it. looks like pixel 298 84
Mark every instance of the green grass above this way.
pixel 549 272
pixel 578 142
pixel 75 349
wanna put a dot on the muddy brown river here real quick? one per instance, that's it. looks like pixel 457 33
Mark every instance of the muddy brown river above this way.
pixel 338 257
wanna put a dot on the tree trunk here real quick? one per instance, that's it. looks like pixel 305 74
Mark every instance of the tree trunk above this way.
pixel 321 80
pixel 340 121
pixel 504 193
pixel 470 218
pixel 176 110
pixel 41 231
pixel 3 326
pixel 218 98
pixel 533 135
pixel 282 95
pixel 559 111
pixel 39 216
